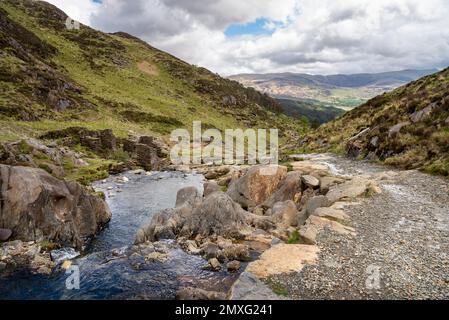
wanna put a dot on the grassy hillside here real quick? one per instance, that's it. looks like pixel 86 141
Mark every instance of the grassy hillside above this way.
pixel 407 128
pixel 54 78
pixel 315 114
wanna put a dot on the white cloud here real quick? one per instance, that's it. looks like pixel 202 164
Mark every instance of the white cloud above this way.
pixel 317 36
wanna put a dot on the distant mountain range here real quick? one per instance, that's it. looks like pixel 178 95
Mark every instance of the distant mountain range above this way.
pixel 340 90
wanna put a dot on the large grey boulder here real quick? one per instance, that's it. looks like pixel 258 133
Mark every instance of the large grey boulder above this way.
pixel 285 214
pixel 37 206
pixel 257 185
pixel 215 215
pixel 211 187
pixel 5 234
pixel 187 195
pixel 249 287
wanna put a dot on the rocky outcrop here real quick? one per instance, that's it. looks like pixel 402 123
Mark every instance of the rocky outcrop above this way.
pixel 350 189
pixel 257 185
pixel 27 255
pixel 37 206
pixel 249 287
pixel 283 258
pixel 216 215
pixel 146 151
pixel 33 153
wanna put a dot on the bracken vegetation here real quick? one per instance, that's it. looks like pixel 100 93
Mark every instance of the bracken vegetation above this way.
pixel 407 128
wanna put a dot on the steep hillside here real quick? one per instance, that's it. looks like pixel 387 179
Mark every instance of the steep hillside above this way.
pixel 314 113
pixel 340 90
pixel 408 127
pixel 53 78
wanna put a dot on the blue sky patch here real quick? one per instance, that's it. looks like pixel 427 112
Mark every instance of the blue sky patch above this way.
pixel 261 26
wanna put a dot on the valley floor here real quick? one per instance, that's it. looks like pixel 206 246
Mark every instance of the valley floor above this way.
pixel 401 250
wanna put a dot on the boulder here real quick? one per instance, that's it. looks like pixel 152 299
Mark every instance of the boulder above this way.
pixel 198 294
pixel 283 258
pixel 233 266
pixel 37 206
pixel 332 214
pixel 213 265
pixel 285 214
pixel 249 287
pixel 397 128
pixel 310 181
pixel 216 215
pixel 5 234
pixel 423 114
pixel 289 189
pixel 310 167
pixel 350 189
pixel 316 202
pixel 211 187
pixel 257 185
pixel 327 182
pixel 187 195
pixel 314 225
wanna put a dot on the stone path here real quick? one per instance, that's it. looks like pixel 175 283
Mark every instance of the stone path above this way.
pixel 401 246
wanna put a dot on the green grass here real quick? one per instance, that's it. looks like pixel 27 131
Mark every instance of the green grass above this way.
pixel 294 238
pixel 277 287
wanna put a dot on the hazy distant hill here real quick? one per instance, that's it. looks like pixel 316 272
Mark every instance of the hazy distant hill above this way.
pixel 315 114
pixel 344 91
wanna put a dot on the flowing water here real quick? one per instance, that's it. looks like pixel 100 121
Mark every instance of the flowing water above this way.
pixel 119 274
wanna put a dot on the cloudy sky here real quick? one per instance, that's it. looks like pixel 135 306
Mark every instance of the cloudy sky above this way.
pixel 310 36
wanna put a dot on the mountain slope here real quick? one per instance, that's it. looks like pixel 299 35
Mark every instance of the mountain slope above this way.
pixel 53 78
pixel 408 127
pixel 344 91
pixel 315 114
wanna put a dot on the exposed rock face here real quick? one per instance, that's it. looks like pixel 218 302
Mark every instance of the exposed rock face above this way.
pixel 32 153
pixel 148 152
pixel 316 202
pixel 5 234
pixel 316 224
pixel 289 189
pixel 101 142
pixel 397 128
pixel 310 181
pixel 350 189
pixel 283 258
pixel 257 185
pixel 187 195
pixel 249 287
pixel 28 255
pixel 285 213
pixel 37 206
pixel 216 215
pixel 210 187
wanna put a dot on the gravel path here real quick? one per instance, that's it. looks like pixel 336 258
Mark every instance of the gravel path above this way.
pixel 401 250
